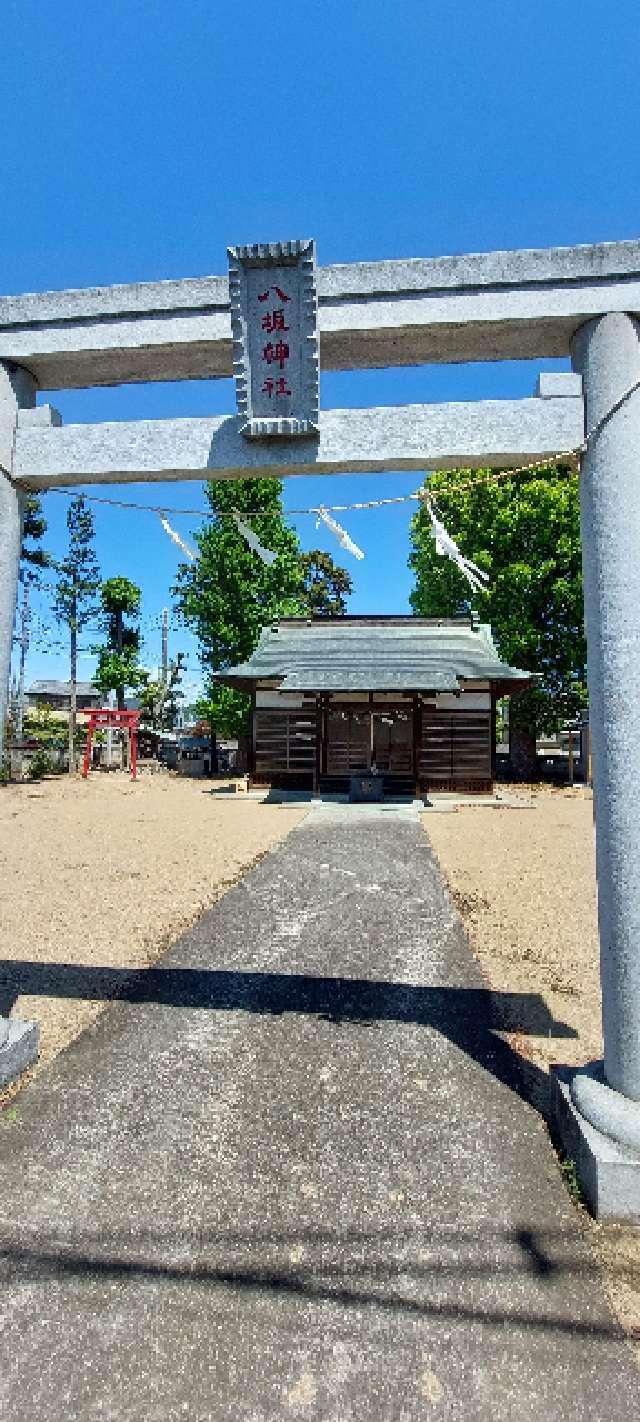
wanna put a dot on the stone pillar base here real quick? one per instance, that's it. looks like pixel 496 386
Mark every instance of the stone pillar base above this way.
pixel 18 1049
pixel 608 1171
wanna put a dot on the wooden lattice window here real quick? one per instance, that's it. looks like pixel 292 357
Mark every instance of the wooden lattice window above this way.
pixel 456 747
pixel 285 742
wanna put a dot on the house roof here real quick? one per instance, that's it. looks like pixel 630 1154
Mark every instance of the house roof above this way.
pixel 373 654
pixel 61 688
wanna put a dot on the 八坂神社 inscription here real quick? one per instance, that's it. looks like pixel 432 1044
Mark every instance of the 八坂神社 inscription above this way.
pixel 274 323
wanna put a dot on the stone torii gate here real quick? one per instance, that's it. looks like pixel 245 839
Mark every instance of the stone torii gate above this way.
pixel 583 302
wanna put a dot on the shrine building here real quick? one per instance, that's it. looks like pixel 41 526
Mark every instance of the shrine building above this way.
pixel 411 698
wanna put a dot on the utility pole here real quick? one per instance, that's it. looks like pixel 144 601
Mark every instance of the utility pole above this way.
pixel 164 676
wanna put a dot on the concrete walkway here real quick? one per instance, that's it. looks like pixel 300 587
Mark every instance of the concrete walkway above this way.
pixel 291 1174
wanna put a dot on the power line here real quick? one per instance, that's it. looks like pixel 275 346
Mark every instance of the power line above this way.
pixel 567 456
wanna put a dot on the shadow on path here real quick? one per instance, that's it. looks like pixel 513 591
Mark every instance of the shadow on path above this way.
pixel 469 1017
pixel 348 1269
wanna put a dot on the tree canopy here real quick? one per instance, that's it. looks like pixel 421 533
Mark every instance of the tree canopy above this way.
pixel 75 597
pixel 78 575
pixel 118 659
pixel 525 533
pixel 224 711
pixel 325 585
pixel 228 595
pixel 34 526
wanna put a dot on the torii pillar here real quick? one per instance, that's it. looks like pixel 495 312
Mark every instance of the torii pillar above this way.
pixel 597 1109
pixel 18 1040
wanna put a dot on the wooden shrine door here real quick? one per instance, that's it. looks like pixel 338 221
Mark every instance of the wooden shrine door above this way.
pixel 361 737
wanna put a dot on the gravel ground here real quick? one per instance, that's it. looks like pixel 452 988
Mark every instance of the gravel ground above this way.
pixel 524 884
pixel 105 872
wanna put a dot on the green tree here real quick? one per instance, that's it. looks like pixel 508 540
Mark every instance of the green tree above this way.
pixel 42 725
pixel 224 710
pixel 34 527
pixel 118 659
pixel 525 533
pixel 51 734
pixel 75 601
pixel 325 585
pixel 33 559
pixel 228 595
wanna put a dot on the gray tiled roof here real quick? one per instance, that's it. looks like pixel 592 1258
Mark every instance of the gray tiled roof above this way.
pixel 373 654
pixel 61 688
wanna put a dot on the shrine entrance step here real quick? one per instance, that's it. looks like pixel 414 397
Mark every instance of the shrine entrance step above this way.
pixel 395 786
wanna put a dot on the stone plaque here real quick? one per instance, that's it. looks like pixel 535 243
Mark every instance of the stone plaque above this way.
pixel 274 323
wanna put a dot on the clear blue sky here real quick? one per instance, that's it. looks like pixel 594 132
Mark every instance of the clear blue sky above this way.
pixel 139 138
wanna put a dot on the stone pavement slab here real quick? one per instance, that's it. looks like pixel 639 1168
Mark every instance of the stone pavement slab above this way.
pixel 291 1173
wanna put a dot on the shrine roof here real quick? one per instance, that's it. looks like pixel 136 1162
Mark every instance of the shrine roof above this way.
pixel 373 654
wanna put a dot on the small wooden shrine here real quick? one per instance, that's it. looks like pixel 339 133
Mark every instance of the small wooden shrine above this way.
pixel 411 698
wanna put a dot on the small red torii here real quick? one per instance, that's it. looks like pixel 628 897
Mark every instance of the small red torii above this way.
pixel 123 720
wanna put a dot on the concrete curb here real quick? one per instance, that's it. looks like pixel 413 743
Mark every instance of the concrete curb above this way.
pixel 19 1050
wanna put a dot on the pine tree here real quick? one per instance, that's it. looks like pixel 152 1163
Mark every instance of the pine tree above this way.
pixel 75 602
pixel 33 560
pixel 34 527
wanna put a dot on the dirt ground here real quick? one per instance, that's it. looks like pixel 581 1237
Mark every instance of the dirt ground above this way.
pixel 524 883
pixel 105 872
